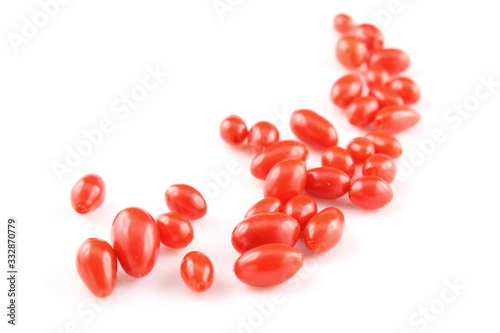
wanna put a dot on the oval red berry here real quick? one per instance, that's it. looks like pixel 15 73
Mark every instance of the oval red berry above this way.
pixel 265 228
pixel 313 129
pixel 268 265
pixel 327 183
pixel 186 200
pixel 285 180
pixel 136 241
pixel 88 193
pixel 96 265
pixel 324 230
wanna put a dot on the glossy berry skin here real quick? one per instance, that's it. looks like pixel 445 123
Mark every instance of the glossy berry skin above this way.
pixel 360 149
pixel 327 183
pixel 376 75
pixel 265 228
pixel 301 207
pixel 186 200
pixel 406 88
pixel 88 194
pixel 96 265
pixel 266 205
pixel 340 158
pixel 324 230
pixel 175 230
pixel 362 110
pixel 345 89
pixel 285 180
pixel 380 165
pixel 312 129
pixel 343 23
pixel 385 143
pixel 261 135
pixel 136 241
pixel 386 96
pixel 370 35
pixel 233 130
pixel 396 118
pixel 268 265
pixel 351 51
pixel 394 60
pixel 370 192
pixel 197 271
pixel 277 152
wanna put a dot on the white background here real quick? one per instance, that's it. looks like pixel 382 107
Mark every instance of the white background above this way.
pixel 262 60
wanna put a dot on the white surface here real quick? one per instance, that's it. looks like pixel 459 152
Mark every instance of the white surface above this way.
pixel 265 58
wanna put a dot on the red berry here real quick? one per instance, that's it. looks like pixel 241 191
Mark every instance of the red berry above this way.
pixel 261 135
pixel 265 228
pixel 266 205
pixel 285 180
pixel 370 192
pixel 324 230
pixel 385 143
pixel 186 200
pixel 395 118
pixel 136 241
pixel 406 88
pixel 360 149
pixel 327 183
pixel 380 165
pixel 233 130
pixel 338 157
pixel 345 89
pixel 197 271
pixel 362 110
pixel 351 51
pixel 393 60
pixel 175 230
pixel 343 23
pixel 313 129
pixel 268 265
pixel 88 193
pixel 96 265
